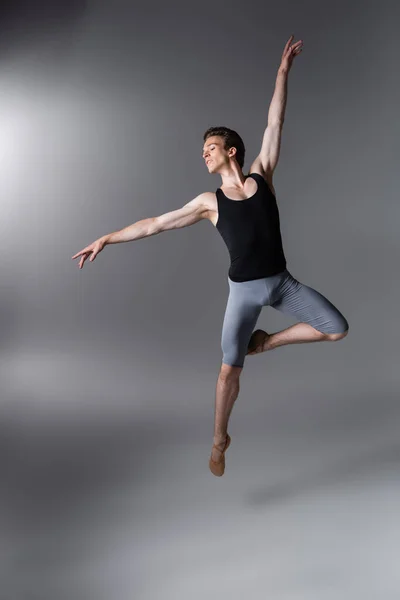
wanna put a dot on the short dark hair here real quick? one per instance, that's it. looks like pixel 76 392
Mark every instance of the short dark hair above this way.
pixel 231 139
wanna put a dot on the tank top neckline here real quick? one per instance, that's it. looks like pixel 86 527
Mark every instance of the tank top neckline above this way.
pixel 244 199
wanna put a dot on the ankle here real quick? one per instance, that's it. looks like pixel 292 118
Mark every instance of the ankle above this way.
pixel 219 438
pixel 268 343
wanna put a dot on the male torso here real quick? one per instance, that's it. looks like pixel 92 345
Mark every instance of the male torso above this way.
pixel 248 221
pixel 250 187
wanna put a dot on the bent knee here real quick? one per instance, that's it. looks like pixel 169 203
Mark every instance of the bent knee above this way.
pixel 334 337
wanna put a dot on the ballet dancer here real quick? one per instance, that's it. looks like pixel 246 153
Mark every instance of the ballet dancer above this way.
pixel 245 213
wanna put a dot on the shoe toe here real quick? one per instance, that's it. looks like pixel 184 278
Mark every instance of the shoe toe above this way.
pixel 217 468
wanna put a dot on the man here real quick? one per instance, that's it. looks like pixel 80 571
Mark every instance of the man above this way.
pixel 245 212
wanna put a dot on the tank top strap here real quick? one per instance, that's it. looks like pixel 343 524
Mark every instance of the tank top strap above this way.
pixel 256 176
pixel 219 193
pixel 260 179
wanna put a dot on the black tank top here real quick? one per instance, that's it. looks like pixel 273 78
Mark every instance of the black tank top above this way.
pixel 251 230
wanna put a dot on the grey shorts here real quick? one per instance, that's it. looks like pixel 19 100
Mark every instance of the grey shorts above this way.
pixel 281 291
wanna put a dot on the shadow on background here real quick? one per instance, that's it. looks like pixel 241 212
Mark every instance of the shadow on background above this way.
pixel 22 22
pixel 20 12
pixel 351 467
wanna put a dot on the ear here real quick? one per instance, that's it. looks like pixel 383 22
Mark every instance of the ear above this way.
pixel 232 151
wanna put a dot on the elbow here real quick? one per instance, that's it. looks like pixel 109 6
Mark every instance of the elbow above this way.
pixel 153 226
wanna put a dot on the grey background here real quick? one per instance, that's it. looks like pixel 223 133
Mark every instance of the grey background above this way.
pixel 108 374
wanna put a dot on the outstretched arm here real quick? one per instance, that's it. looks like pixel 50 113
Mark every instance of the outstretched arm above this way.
pixel 270 148
pixel 190 213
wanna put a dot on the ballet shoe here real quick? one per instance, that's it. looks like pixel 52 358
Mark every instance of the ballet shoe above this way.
pixel 217 468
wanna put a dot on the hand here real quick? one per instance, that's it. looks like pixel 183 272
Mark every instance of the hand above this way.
pixel 289 52
pixel 93 249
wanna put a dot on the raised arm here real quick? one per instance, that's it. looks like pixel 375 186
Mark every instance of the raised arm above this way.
pixel 267 160
pixel 190 213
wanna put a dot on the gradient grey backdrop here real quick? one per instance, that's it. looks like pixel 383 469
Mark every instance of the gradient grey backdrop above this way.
pixel 108 374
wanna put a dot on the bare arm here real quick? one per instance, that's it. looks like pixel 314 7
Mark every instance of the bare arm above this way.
pixel 136 231
pixel 190 213
pixel 277 108
pixel 271 143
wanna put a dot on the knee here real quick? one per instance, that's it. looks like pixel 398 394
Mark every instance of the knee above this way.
pixel 229 373
pixel 232 356
pixel 334 337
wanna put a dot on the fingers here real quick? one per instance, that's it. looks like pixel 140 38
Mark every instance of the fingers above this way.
pixel 287 44
pixel 92 250
pixel 295 48
pixel 292 51
pixel 84 254
pixel 87 249
pixel 82 261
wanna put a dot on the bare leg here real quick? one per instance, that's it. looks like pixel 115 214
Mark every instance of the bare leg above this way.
pixel 226 393
pixel 299 333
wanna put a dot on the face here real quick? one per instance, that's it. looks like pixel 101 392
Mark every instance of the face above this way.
pixel 214 154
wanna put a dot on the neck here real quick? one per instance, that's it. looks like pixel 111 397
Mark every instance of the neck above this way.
pixel 232 176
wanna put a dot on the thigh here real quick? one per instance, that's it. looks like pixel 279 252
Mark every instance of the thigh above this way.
pixel 309 306
pixel 242 311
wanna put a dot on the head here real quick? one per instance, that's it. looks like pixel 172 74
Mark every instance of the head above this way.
pixel 221 146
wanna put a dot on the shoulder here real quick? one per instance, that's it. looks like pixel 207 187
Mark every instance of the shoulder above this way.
pixel 256 168
pixel 207 203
